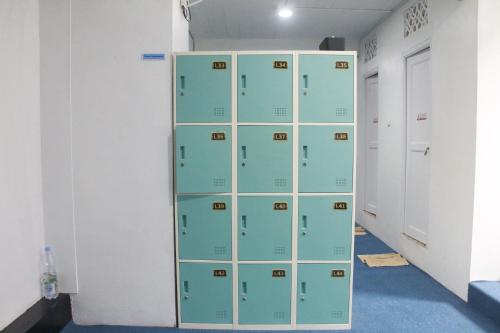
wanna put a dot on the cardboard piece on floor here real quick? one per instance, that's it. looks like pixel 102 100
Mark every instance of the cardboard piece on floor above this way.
pixel 359 231
pixel 383 260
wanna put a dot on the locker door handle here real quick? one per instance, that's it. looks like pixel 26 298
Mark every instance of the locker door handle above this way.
pixel 243 155
pixel 243 225
pixel 184 224
pixel 305 83
pixel 304 225
pixel 183 155
pixel 243 84
pixel 243 290
pixel 305 154
pixel 186 290
pixel 183 84
pixel 303 291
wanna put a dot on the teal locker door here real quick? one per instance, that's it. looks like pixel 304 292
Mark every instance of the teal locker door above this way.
pixel 265 228
pixel 326 88
pixel 203 88
pixel 204 227
pixel 326 158
pixel 264 293
pixel 206 293
pixel 203 159
pixel 325 227
pixel 265 159
pixel 323 293
pixel 265 88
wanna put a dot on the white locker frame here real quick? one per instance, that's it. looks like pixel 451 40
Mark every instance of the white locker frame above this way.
pixel 295 193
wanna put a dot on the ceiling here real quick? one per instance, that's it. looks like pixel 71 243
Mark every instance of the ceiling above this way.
pixel 245 19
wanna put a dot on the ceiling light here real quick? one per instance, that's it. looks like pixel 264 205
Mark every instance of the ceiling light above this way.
pixel 285 12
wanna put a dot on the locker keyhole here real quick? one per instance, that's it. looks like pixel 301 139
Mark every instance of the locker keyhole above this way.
pixel 184 224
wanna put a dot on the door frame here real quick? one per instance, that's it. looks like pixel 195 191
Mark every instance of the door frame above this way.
pixel 418 48
pixel 369 74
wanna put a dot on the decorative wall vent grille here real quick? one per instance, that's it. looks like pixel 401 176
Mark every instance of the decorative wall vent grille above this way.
pixel 370 48
pixel 416 17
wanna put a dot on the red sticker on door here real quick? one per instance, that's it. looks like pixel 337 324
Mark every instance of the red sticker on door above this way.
pixel 422 116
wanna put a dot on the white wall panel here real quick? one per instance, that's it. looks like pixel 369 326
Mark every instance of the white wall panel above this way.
pixel 452 36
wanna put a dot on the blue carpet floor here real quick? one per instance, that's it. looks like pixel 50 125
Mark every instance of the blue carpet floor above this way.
pixel 484 296
pixel 396 299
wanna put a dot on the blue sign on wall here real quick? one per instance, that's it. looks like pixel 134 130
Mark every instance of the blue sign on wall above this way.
pixel 153 56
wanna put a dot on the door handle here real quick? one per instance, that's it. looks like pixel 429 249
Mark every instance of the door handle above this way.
pixel 186 290
pixel 243 83
pixel 303 291
pixel 305 154
pixel 243 155
pixel 427 151
pixel 184 224
pixel 183 155
pixel 305 83
pixel 304 225
pixel 243 291
pixel 243 225
pixel 183 84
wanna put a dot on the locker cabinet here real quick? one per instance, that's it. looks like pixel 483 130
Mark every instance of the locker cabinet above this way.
pixel 204 227
pixel 326 88
pixel 206 293
pixel 203 88
pixel 323 293
pixel 326 158
pixel 264 293
pixel 325 227
pixel 203 159
pixel 265 159
pixel 265 88
pixel 265 228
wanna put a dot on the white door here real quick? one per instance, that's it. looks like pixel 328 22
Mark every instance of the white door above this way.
pixel 371 144
pixel 418 145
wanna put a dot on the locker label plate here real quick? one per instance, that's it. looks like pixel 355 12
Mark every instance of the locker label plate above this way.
pixel 341 136
pixel 219 206
pixel 280 136
pixel 280 206
pixel 279 273
pixel 280 64
pixel 220 273
pixel 219 65
pixel 342 65
pixel 338 273
pixel 218 136
pixel 340 205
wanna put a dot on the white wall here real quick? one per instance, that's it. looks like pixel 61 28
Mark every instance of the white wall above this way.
pixel 264 44
pixel 452 34
pixel 486 233
pixel 55 108
pixel 116 118
pixel 21 215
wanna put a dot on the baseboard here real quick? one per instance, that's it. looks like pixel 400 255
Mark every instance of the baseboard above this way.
pixel 43 317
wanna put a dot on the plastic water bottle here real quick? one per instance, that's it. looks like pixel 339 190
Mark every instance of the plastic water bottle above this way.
pixel 49 275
